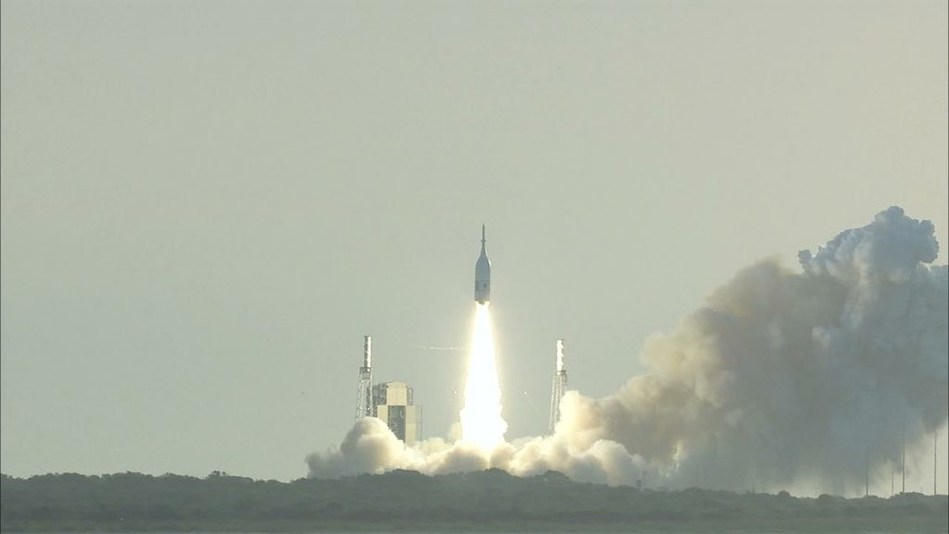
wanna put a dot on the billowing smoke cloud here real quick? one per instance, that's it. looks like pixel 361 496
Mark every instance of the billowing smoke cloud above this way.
pixel 783 379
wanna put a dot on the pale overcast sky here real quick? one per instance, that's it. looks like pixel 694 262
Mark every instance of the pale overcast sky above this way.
pixel 206 205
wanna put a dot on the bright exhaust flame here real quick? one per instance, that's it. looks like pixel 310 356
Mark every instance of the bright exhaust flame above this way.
pixel 481 421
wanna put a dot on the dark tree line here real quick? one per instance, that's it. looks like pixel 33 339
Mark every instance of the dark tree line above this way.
pixel 407 500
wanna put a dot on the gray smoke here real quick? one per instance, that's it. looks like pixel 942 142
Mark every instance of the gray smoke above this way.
pixel 783 379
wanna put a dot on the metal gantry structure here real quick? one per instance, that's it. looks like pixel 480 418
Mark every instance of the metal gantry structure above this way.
pixel 558 388
pixel 364 405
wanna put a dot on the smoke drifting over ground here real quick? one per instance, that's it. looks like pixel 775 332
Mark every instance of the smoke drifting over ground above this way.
pixel 783 379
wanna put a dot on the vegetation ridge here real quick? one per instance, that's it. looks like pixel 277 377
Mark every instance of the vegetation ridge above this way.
pixel 402 500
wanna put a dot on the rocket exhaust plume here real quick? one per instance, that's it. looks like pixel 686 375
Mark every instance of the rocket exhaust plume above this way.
pixel 781 380
pixel 481 421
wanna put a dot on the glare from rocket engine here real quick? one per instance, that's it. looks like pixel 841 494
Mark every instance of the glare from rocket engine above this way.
pixel 481 421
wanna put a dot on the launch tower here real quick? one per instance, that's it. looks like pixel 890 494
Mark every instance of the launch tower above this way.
pixel 393 403
pixel 558 388
pixel 364 404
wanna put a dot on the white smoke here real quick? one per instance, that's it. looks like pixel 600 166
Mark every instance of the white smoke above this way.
pixel 782 379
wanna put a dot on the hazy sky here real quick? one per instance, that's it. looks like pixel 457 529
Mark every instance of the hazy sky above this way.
pixel 206 205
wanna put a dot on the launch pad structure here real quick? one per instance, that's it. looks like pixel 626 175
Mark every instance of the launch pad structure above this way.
pixel 364 405
pixel 558 388
pixel 392 402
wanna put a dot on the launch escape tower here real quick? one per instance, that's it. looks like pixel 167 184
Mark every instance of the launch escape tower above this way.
pixel 364 404
pixel 558 388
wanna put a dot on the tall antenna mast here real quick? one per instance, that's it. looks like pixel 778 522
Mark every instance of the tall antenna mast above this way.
pixel 559 387
pixel 364 405
pixel 903 461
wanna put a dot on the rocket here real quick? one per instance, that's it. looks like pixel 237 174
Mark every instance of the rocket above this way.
pixel 482 292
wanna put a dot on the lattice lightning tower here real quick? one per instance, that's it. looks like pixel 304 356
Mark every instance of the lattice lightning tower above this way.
pixel 559 386
pixel 364 405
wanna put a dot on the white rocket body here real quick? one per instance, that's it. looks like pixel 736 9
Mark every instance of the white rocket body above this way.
pixel 482 292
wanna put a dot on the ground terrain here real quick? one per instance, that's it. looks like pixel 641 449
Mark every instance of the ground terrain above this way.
pixel 407 501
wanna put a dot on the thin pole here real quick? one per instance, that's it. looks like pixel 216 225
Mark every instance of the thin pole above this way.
pixel 866 492
pixel 903 461
pixel 935 444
